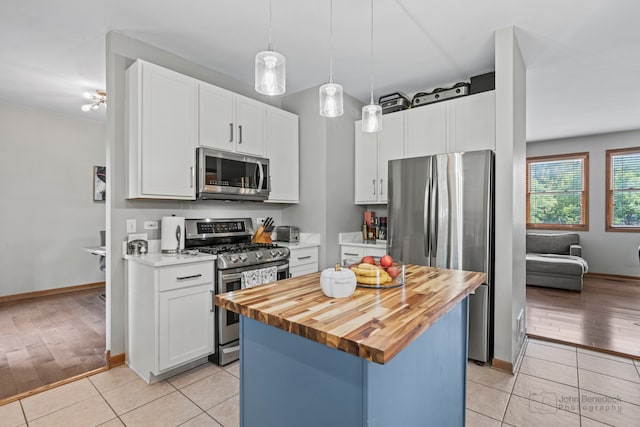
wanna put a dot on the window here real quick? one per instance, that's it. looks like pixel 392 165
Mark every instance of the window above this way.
pixel 623 190
pixel 557 192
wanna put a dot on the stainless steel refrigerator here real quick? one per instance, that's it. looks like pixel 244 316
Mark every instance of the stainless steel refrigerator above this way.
pixel 441 215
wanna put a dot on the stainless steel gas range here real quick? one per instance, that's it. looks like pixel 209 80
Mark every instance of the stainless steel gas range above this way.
pixel 239 264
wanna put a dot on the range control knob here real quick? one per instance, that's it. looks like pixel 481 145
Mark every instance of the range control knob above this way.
pixel 233 258
pixel 259 255
pixel 243 257
pixel 273 252
pixel 280 253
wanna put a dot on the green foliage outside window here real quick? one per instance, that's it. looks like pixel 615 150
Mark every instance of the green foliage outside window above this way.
pixel 556 191
pixel 625 174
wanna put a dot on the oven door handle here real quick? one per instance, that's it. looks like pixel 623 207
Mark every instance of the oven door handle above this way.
pixel 235 276
pixel 213 300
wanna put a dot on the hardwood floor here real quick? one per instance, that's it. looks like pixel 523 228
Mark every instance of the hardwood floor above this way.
pixel 605 315
pixel 47 339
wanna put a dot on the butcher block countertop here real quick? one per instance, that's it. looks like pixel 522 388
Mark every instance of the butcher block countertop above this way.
pixel 372 324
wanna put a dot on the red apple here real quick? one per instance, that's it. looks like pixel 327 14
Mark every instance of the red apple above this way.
pixel 386 261
pixel 369 260
pixel 393 272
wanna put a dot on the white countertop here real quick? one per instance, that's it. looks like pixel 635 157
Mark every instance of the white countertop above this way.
pixel 307 240
pixel 162 260
pixel 355 239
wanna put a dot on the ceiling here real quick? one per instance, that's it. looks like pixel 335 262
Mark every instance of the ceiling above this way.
pixel 582 56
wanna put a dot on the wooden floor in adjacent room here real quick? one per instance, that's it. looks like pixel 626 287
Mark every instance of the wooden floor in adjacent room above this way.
pixel 47 339
pixel 605 315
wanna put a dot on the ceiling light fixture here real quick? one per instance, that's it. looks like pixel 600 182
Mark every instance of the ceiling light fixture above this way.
pixel 270 72
pixel 372 113
pixel 331 104
pixel 97 99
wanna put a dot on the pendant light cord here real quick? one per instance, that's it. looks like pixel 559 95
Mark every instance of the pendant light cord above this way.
pixel 371 59
pixel 330 41
pixel 270 46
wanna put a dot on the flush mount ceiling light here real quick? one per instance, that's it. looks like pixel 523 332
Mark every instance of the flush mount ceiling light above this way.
pixel 270 72
pixel 372 113
pixel 331 104
pixel 96 100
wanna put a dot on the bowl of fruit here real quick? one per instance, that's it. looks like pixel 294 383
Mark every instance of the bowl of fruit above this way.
pixel 376 272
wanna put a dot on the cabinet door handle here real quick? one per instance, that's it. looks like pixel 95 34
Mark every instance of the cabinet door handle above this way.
pixel 192 175
pixel 373 181
pixel 350 254
pixel 213 299
pixel 230 132
pixel 195 276
pixel 304 257
pixel 239 134
pixel 381 189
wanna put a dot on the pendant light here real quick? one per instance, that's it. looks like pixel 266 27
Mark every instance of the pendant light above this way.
pixel 372 113
pixel 331 104
pixel 270 70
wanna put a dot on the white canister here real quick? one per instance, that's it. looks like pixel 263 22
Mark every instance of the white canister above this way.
pixel 338 282
pixel 172 234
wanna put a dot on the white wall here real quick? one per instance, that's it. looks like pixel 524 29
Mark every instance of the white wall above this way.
pixel 48 212
pixel 121 52
pixel 327 156
pixel 606 252
pixel 509 289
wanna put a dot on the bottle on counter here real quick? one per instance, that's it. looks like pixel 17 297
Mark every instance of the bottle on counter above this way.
pixel 365 231
pixel 382 230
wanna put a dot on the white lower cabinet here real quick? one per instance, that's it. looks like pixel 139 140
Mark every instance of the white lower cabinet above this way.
pixel 303 261
pixel 348 251
pixel 171 319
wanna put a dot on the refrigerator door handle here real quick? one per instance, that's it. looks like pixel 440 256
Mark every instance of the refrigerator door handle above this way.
pixel 427 210
pixel 433 221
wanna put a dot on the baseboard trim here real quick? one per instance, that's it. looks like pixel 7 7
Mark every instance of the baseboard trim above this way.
pixel 502 365
pixel 52 385
pixel 116 360
pixel 46 292
pixel 617 277
pixel 586 347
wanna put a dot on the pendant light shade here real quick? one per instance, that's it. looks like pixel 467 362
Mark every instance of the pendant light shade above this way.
pixel 270 69
pixel 372 113
pixel 331 104
pixel 371 118
pixel 270 73
pixel 330 96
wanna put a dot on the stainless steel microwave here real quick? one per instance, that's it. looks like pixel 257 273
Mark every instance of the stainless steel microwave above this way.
pixel 232 176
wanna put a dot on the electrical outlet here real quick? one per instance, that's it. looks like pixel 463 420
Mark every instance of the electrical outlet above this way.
pixel 131 226
pixel 260 221
pixel 151 225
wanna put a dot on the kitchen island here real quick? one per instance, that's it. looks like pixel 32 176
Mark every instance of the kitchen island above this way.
pixel 391 357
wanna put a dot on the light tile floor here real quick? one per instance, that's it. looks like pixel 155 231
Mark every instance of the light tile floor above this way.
pixel 554 386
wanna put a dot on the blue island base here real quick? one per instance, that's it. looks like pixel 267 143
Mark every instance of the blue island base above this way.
pixel 290 381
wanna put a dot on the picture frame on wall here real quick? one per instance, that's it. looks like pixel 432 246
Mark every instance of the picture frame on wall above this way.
pixel 99 183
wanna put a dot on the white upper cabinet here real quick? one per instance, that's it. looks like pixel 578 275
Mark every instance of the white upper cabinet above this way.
pixel 162 133
pixel 217 117
pixel 250 125
pixel 390 147
pixel 366 165
pixel 281 140
pixel 472 122
pixel 372 154
pixel 426 130
pixel 230 122
pixel 461 124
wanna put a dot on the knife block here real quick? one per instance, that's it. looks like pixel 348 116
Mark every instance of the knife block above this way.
pixel 261 236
